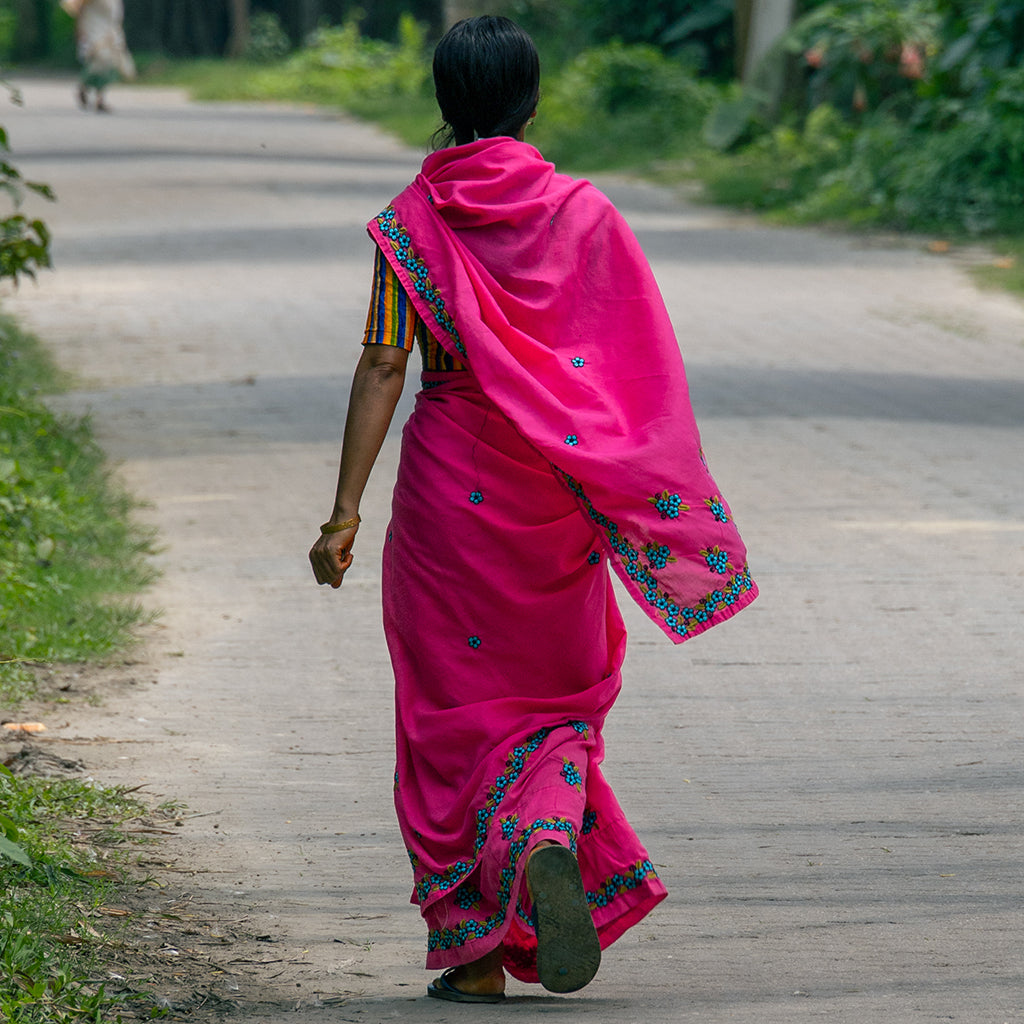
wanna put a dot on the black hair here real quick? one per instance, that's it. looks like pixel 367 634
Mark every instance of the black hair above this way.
pixel 486 79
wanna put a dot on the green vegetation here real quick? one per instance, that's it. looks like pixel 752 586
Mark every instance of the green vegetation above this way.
pixel 911 117
pixel 63 856
pixel 24 243
pixel 615 106
pixel 69 554
pixel 905 114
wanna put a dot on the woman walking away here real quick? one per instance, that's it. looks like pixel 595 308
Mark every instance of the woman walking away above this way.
pixel 102 49
pixel 552 437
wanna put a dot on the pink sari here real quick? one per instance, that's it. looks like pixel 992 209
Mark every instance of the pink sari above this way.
pixel 568 445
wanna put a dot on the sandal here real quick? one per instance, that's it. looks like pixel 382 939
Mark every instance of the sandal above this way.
pixel 442 988
pixel 568 949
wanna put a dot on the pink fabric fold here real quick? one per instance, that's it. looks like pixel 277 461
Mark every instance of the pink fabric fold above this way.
pixel 536 282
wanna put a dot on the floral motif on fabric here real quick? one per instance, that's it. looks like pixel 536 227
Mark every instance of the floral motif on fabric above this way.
pixel 717 507
pixel 594 558
pixel 571 774
pixel 474 642
pixel 572 440
pixel 442 880
pixel 476 497
pixel 401 244
pixel 680 620
pixel 589 821
pixel 658 555
pixel 426 385
pixel 669 505
pixel 514 765
pixel 621 882
pixel 468 898
pixel 717 560
pixel 508 826
pixel 466 931
pixel 581 728
pixel 578 361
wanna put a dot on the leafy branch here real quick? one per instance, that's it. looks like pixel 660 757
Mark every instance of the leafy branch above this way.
pixel 24 241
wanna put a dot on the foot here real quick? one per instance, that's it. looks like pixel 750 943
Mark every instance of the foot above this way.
pixel 483 977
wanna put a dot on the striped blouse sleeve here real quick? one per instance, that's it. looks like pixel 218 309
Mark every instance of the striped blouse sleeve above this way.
pixel 391 319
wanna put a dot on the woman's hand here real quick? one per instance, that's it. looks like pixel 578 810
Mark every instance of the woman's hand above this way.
pixel 331 556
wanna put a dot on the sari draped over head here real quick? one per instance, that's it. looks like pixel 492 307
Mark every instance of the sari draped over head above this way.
pixel 568 444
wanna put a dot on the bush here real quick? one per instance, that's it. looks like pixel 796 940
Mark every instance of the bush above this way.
pixel 620 105
pixel 340 67
pixel 268 41
pixel 866 56
pixel 782 166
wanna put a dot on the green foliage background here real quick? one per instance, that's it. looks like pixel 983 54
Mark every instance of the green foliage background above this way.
pixel 906 114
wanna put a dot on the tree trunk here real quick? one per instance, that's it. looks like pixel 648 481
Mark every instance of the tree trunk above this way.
pixel 767 21
pixel 761 24
pixel 31 30
pixel 307 14
pixel 238 42
pixel 741 31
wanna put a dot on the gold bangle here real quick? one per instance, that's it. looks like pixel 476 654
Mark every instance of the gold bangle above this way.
pixel 338 527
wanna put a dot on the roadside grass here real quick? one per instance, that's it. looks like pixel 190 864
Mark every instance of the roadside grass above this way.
pixel 70 561
pixel 71 558
pixel 65 865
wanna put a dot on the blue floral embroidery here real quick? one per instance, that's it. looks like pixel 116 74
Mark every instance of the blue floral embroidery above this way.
pixel 467 898
pixel 589 821
pixel 669 505
pixel 578 361
pixel 571 773
pixel 621 882
pixel 508 826
pixel 426 385
pixel 466 931
pixel 594 557
pixel 581 728
pixel 474 642
pixel 717 507
pixel 401 244
pixel 658 555
pixel 679 620
pixel 514 765
pixel 442 880
pixel 476 497
pixel 718 561
pixel 572 440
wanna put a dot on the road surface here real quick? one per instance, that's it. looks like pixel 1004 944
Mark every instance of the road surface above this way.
pixel 830 784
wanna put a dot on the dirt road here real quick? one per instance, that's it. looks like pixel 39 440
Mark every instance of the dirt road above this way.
pixel 830 784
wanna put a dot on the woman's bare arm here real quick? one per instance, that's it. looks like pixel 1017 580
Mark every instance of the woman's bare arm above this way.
pixel 376 388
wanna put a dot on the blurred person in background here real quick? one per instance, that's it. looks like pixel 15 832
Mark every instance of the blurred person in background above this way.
pixel 102 50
